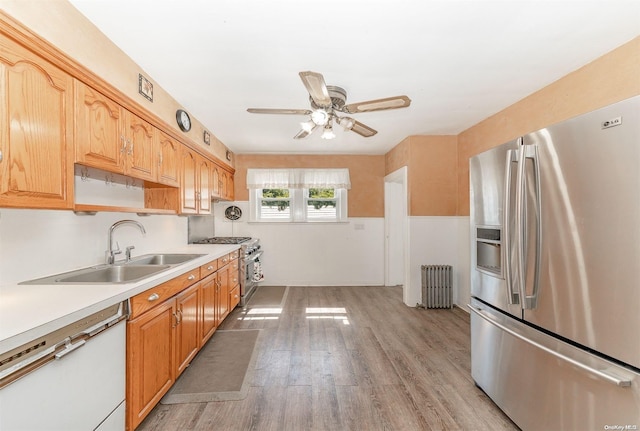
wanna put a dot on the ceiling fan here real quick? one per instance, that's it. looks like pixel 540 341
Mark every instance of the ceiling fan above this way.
pixel 326 102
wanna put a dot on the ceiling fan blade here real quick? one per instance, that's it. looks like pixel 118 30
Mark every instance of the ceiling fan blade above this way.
pixel 363 130
pixel 302 134
pixel 279 111
pixel 378 105
pixel 315 85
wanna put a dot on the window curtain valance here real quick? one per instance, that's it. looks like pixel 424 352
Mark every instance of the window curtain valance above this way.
pixel 298 178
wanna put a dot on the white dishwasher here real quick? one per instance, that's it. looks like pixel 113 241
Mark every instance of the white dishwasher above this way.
pixel 70 379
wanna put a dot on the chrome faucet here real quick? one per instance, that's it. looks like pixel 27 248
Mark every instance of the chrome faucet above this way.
pixel 110 255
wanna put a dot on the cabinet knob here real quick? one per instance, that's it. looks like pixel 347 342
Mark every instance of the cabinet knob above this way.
pixel 153 297
pixel 191 277
pixel 210 267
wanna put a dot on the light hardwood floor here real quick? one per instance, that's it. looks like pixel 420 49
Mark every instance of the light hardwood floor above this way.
pixel 349 358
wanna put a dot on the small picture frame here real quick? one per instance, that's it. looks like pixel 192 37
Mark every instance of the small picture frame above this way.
pixel 145 87
pixel 206 138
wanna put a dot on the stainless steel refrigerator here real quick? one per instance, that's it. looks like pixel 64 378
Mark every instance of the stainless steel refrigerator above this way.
pixel 555 273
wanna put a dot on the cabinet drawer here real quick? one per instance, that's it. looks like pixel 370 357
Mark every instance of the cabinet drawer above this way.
pixel 222 261
pixel 234 254
pixel 235 264
pixel 208 268
pixel 234 297
pixel 156 295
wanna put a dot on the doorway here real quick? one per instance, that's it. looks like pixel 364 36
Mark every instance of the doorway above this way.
pixel 396 231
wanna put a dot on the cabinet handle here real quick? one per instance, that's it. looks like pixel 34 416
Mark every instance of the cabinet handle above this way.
pixel 160 158
pixel 130 152
pixel 235 296
pixel 0 156
pixel 176 320
pixel 179 316
pixel 191 277
pixel 153 297
pixel 124 144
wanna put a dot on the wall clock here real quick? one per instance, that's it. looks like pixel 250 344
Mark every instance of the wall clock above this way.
pixel 233 213
pixel 183 119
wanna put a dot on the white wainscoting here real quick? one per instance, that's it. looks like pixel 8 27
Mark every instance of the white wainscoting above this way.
pixel 439 241
pixel 36 243
pixel 313 254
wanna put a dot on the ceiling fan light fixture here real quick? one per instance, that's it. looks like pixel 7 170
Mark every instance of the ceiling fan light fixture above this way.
pixel 328 132
pixel 320 117
pixel 308 126
pixel 347 122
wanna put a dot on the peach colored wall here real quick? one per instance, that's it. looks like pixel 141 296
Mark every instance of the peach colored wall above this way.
pixel 432 166
pixel 608 79
pixel 433 176
pixel 397 157
pixel 59 23
pixel 366 197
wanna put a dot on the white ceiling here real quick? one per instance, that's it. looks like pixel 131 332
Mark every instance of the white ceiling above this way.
pixel 458 61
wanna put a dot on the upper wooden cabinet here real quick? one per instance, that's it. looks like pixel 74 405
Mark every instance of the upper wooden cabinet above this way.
pixel 168 160
pixel 195 185
pixel 36 131
pixel 111 138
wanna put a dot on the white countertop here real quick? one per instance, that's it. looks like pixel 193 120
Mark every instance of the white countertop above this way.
pixel 31 311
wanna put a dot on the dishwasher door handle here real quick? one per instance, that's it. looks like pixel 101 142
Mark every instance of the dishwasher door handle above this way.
pixel 68 348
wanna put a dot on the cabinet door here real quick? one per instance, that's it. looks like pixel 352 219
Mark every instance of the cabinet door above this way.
pixel 215 181
pixel 187 331
pixel 189 182
pixel 230 192
pixel 222 296
pixel 204 181
pixel 169 160
pixel 223 184
pixel 208 312
pixel 141 148
pixel 36 131
pixel 100 140
pixel 150 360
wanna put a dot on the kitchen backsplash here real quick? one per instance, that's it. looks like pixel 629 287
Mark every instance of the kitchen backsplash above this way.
pixel 36 243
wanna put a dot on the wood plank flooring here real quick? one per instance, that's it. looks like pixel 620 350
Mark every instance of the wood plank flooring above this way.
pixel 349 358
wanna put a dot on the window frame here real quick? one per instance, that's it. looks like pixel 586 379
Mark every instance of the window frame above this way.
pixel 298 198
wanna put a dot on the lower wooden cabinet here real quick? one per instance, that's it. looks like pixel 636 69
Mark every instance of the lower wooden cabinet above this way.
pixel 151 366
pixel 188 327
pixel 208 293
pixel 170 323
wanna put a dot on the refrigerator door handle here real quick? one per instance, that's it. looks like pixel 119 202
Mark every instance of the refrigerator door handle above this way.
pixel 601 374
pixel 514 297
pixel 520 223
pixel 530 302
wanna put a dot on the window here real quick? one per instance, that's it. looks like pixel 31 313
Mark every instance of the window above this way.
pixel 298 195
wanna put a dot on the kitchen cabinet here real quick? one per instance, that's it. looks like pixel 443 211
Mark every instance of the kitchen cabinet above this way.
pixel 187 328
pixel 208 308
pixel 151 367
pixel 195 193
pixel 111 138
pixel 169 324
pixel 168 160
pixel 215 181
pixel 36 131
pixel 222 294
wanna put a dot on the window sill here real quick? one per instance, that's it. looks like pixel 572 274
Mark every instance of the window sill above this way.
pixel 299 222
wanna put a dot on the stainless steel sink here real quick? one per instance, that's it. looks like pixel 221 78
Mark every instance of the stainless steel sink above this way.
pixel 121 272
pixel 114 274
pixel 111 274
pixel 163 259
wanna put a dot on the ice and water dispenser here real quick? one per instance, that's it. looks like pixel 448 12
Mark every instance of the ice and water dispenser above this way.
pixel 488 250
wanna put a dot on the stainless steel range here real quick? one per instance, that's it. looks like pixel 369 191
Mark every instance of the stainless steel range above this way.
pixel 250 266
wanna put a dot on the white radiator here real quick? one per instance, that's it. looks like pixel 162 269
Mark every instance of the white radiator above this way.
pixel 437 286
